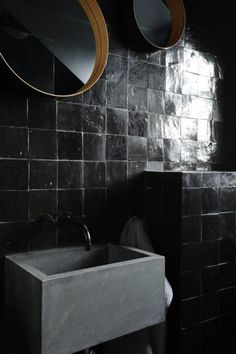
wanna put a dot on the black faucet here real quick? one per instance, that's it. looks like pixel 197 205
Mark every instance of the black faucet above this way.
pixel 68 218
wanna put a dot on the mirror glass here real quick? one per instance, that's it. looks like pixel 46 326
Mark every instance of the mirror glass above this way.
pixel 49 44
pixel 154 20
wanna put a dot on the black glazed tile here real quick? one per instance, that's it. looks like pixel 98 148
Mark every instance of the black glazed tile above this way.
pixel 189 129
pixel 135 169
pixel 227 275
pixel 191 229
pixel 227 225
pixel 69 146
pixel 13 114
pixel 13 142
pixel 138 73
pixel 96 95
pixel 195 107
pixel 210 253
pixel 93 119
pixel 191 284
pixel 192 256
pixel 227 179
pixel 156 102
pixel 192 179
pixel 228 250
pixel 117 121
pixel 171 150
pixel 43 239
pixel 138 124
pixel 172 223
pixel 116 202
pixel 174 77
pixel 211 331
pixel 43 174
pixel 173 104
pixel 14 175
pixel 156 77
pixel 116 147
pixel 192 341
pixel 210 279
pixel 42 202
pixel 228 199
pixel 94 147
pixel 211 179
pixel 13 206
pixel 69 116
pixel 211 227
pixel 117 95
pixel 117 68
pixel 137 99
pixel 155 126
pixel 155 149
pixel 191 202
pixel 227 324
pixel 137 148
pixel 189 151
pixel 42 113
pixel 94 174
pixel 217 131
pixel 190 84
pixel 116 174
pixel 172 201
pixel 70 201
pixel 171 127
pixel 228 346
pixel 173 180
pixel 191 61
pixel 210 306
pixel 210 200
pixel 13 237
pixel 227 300
pixel 42 144
pixel 70 175
pixel 94 201
pixel 190 310
pixel 203 130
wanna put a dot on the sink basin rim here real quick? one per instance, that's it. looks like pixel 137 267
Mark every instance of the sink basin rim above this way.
pixel 20 260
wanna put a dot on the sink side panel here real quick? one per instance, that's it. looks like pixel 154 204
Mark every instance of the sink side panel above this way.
pixel 23 305
pixel 93 307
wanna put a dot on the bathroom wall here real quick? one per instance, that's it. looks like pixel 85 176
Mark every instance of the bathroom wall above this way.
pixel 149 111
pixel 191 216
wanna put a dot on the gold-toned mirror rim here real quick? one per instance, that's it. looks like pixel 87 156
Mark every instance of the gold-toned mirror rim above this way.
pixel 178 23
pixel 99 27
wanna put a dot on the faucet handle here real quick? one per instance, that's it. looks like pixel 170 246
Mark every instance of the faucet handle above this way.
pixel 64 218
pixel 46 220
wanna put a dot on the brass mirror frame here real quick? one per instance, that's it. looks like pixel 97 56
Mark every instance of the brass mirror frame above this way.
pixel 178 23
pixel 97 21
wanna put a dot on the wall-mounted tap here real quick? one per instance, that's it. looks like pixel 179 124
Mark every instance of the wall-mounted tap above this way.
pixel 69 219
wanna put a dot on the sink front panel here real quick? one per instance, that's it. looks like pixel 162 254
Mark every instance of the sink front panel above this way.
pixel 79 308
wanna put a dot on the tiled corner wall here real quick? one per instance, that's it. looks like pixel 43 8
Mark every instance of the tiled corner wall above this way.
pixel 160 111
pixel 195 228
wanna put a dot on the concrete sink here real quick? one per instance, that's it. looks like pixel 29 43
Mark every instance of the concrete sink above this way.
pixel 68 299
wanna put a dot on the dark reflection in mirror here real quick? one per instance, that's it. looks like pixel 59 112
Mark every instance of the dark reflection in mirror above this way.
pixel 154 20
pixel 48 44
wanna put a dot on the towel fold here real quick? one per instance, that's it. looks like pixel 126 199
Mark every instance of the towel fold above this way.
pixel 150 340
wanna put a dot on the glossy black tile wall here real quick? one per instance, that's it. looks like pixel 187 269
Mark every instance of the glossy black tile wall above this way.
pixel 198 239
pixel 170 110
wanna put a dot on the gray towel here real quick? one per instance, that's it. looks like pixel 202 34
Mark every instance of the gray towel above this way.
pixel 150 340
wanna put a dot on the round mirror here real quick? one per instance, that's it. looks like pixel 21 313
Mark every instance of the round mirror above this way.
pixel 58 47
pixel 161 22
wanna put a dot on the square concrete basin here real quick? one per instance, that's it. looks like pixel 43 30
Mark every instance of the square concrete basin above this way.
pixel 67 299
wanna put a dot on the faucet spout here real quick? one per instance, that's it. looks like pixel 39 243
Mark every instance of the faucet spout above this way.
pixel 67 218
pixel 87 237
